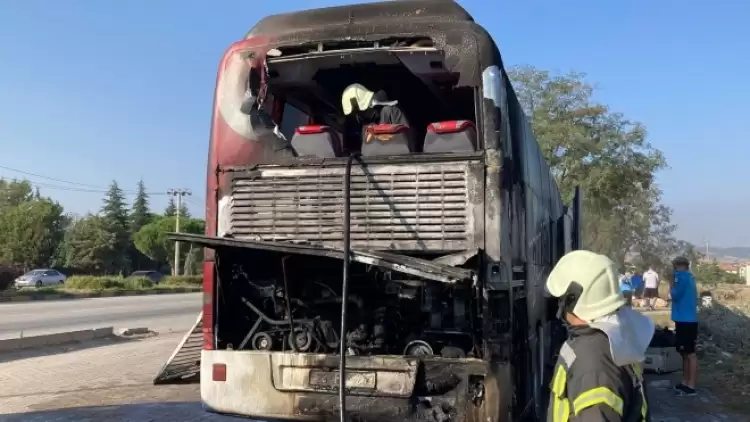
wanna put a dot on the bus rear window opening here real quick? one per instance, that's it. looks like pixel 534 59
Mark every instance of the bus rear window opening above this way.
pixel 415 79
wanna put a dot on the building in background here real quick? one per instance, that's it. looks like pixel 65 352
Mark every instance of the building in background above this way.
pixel 744 272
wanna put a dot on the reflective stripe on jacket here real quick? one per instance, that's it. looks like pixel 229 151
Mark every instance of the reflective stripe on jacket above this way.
pixel 587 386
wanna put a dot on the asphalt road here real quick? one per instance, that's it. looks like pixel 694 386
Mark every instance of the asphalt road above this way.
pixel 161 313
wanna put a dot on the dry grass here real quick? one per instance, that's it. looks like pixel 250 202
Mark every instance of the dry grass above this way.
pixel 723 343
pixel 724 350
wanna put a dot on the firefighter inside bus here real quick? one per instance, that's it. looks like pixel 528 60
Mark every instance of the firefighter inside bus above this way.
pixel 364 108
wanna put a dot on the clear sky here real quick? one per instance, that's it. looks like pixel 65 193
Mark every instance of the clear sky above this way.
pixel 92 91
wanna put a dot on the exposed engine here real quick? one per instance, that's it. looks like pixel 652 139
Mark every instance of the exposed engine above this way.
pixel 385 316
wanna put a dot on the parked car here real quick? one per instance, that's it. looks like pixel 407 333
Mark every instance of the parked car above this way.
pixel 154 276
pixel 40 278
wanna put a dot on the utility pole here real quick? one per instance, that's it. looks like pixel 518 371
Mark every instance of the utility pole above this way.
pixel 179 193
pixel 705 241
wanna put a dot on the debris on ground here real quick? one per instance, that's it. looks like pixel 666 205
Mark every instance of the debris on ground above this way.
pixel 724 359
pixel 667 406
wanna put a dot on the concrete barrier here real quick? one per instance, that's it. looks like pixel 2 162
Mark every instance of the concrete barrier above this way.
pixel 134 331
pixel 54 339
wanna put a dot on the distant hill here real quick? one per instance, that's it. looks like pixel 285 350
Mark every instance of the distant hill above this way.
pixel 736 252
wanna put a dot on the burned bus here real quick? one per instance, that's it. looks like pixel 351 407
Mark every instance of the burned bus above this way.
pixel 405 263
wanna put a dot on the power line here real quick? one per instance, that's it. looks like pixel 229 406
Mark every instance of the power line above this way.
pixel 74 189
pixel 52 178
pixel 86 187
pixel 195 201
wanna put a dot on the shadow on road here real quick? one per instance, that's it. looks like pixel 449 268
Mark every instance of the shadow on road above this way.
pixel 64 348
pixel 162 412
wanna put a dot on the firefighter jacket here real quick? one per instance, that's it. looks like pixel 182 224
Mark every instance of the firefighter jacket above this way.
pixel 587 386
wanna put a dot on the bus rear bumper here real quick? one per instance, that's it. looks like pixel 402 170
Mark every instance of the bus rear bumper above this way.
pixel 260 385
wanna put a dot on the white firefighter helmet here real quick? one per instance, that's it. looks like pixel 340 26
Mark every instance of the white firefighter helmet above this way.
pixel 590 281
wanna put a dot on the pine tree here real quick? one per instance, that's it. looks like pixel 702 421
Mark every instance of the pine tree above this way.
pixel 115 209
pixel 140 214
pixel 171 209
pixel 184 210
pixel 115 214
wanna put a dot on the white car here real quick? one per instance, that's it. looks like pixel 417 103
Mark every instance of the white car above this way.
pixel 40 278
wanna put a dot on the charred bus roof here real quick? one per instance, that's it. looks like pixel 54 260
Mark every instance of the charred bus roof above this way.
pixel 467 47
pixel 369 13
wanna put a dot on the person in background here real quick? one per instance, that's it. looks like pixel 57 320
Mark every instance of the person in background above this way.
pixel 684 294
pixel 626 287
pixel 651 281
pixel 636 280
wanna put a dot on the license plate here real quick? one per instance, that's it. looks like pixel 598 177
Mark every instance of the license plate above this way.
pixel 354 379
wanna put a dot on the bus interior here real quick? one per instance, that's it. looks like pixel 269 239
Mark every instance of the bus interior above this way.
pixel 310 81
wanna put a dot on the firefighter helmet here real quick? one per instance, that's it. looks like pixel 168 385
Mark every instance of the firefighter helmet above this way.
pixel 587 283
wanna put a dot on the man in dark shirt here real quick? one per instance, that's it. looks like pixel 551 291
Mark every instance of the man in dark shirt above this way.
pixel 387 112
pixel 371 107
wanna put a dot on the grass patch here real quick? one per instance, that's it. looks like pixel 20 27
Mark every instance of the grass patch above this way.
pixel 130 283
pixel 83 285
pixel 107 283
pixel 31 290
pixel 724 351
pixel 183 281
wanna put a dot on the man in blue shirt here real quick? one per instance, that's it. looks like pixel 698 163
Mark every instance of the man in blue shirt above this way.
pixel 626 288
pixel 685 316
pixel 637 282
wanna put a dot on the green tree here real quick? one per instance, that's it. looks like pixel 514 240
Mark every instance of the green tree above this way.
pixel 140 214
pixel 61 254
pixel 15 192
pixel 115 215
pixel 689 251
pixel 193 260
pixel 151 239
pixel 184 212
pixel 711 273
pixel 171 209
pixel 93 247
pixel 31 233
pixel 606 154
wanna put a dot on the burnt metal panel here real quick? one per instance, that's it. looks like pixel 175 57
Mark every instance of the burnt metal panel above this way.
pixel 185 363
pixel 409 207
pixel 467 47
pixel 400 263
pixel 385 11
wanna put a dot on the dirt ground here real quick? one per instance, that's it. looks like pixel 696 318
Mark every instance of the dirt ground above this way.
pixel 96 381
pixel 724 373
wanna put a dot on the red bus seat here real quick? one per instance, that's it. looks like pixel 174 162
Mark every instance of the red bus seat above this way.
pixel 316 140
pixel 451 136
pixel 387 139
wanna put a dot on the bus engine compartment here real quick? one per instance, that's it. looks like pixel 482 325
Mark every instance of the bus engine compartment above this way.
pixel 414 227
pixel 293 303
